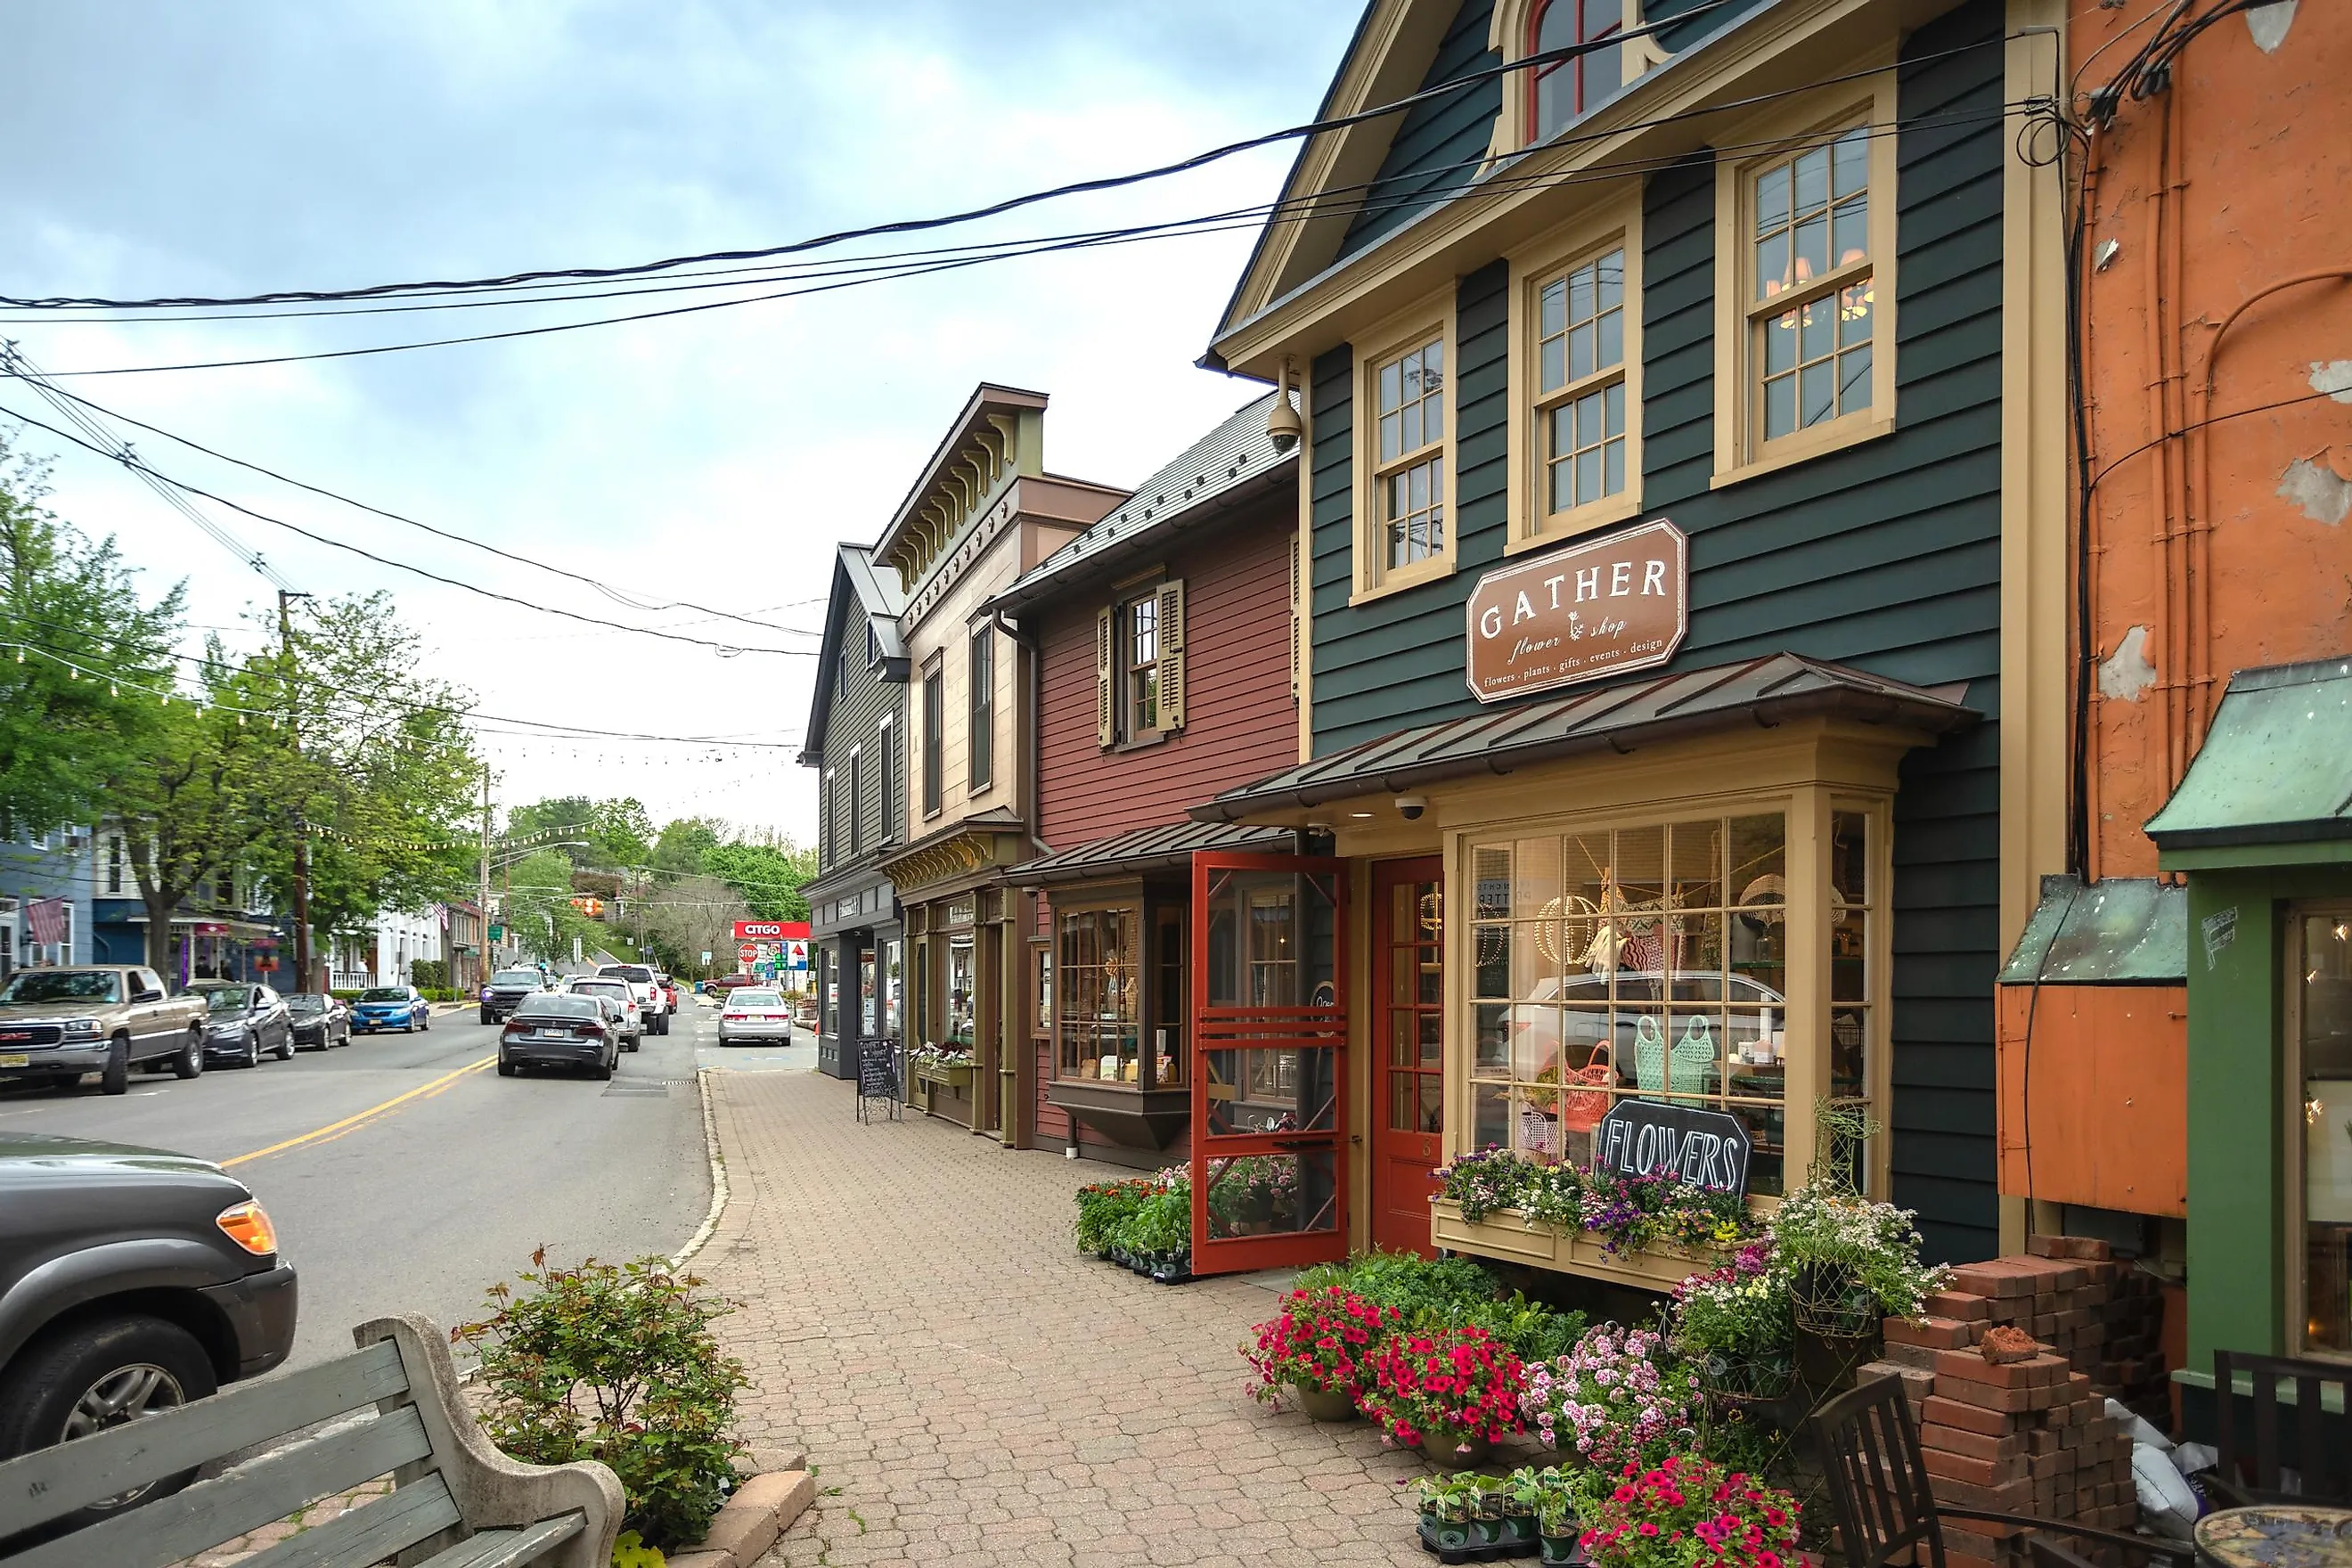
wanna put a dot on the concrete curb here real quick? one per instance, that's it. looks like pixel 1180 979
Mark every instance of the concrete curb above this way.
pixel 702 1237
pixel 762 1509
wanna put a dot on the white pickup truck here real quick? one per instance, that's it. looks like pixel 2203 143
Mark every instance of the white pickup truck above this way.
pixel 652 1004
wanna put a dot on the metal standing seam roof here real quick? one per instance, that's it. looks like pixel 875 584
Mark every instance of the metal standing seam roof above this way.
pixel 878 593
pixel 1229 458
pixel 2277 764
pixel 2119 931
pixel 1145 848
pixel 1765 690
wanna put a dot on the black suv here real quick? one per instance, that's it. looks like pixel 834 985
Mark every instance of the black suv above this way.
pixel 506 991
pixel 131 1280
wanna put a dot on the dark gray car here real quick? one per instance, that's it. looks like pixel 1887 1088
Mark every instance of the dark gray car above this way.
pixel 131 1280
pixel 246 1022
pixel 507 989
pixel 568 1029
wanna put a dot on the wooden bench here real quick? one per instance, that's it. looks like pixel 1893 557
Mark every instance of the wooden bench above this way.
pixel 390 1409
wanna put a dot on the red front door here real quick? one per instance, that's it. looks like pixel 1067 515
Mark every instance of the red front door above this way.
pixel 1408 1023
pixel 1269 1044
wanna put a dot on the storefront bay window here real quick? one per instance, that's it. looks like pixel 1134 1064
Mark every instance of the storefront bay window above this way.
pixel 2320 1031
pixel 1719 962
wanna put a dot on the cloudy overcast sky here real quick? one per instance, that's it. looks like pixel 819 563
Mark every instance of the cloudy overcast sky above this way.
pixel 167 149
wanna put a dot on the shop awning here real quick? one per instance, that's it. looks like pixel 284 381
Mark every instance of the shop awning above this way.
pixel 1765 691
pixel 2275 769
pixel 2126 930
pixel 1167 847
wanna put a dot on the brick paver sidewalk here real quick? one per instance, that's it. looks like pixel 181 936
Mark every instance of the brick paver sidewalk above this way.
pixel 971 1392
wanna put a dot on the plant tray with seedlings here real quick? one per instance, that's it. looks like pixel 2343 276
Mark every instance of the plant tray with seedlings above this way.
pixel 1479 1540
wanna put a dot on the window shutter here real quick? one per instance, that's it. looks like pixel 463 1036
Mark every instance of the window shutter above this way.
pixel 1171 654
pixel 1105 731
pixel 1298 543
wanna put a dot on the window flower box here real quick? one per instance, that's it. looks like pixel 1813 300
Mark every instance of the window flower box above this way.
pixel 953 1077
pixel 1508 1237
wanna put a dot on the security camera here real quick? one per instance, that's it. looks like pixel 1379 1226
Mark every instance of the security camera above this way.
pixel 1282 426
pixel 1410 806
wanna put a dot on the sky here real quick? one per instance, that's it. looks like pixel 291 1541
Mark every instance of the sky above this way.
pixel 168 150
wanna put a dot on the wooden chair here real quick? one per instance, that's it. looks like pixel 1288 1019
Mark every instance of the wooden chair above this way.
pixel 1886 1512
pixel 2244 1476
pixel 391 1408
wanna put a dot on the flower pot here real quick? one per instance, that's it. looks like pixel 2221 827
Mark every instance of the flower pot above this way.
pixel 1559 1551
pixel 1455 1448
pixel 1442 1536
pixel 1828 1301
pixel 1322 1406
pixel 1520 1530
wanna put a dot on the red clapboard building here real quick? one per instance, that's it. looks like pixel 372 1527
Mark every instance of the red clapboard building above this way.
pixel 1164 634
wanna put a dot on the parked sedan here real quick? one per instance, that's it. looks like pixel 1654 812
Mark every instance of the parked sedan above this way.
pixel 561 1029
pixel 243 1022
pixel 321 1022
pixel 753 1015
pixel 391 1007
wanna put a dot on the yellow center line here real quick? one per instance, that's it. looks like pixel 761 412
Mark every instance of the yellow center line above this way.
pixel 443 1081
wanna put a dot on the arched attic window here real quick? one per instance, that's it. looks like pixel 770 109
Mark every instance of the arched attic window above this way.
pixel 1566 89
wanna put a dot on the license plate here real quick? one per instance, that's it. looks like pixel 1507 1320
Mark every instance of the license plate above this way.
pixel 554 1034
pixel 15 1059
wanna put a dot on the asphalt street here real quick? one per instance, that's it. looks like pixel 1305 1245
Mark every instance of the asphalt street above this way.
pixel 405 1176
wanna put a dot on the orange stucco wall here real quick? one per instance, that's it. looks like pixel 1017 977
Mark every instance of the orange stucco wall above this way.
pixel 2217 279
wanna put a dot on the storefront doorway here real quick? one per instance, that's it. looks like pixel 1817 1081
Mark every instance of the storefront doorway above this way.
pixel 1407 1022
pixel 1269 1120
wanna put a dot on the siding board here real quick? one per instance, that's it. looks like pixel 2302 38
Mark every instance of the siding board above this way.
pixel 1438 145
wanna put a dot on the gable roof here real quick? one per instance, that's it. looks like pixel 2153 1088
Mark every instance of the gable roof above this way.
pixel 855 581
pixel 1233 464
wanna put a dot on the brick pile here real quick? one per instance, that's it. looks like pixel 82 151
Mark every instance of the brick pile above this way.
pixel 2030 1436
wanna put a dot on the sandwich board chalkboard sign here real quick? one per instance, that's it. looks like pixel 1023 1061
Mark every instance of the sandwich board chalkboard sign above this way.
pixel 1652 1138
pixel 877 1077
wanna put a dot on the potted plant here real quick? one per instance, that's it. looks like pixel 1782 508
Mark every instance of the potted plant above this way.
pixel 1686 1510
pixel 1618 1397
pixel 1103 1208
pixel 1850 1262
pixel 1737 1328
pixel 1529 1494
pixel 1451 1392
pixel 1449 1508
pixel 1319 1346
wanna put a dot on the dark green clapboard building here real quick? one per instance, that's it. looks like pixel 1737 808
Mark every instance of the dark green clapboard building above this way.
pixel 1666 449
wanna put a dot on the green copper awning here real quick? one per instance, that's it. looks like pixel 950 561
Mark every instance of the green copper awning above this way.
pixel 2126 930
pixel 2275 768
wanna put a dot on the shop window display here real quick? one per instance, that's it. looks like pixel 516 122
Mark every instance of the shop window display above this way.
pixel 1652 962
pixel 1098 1000
pixel 2321 986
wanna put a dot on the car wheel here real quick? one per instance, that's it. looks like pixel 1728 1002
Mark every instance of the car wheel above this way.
pixel 115 1077
pixel 506 1069
pixel 252 1052
pixel 661 1024
pixel 426 1022
pixel 189 1062
pixel 602 1070
pixel 286 1047
pixel 488 1016
pixel 98 1375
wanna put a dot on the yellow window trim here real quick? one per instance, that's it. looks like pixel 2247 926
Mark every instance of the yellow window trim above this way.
pixel 1740 450
pixel 1400 334
pixel 1534 265
pixel 1507 34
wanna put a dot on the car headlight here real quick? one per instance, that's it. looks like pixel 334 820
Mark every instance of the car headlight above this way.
pixel 81 1029
pixel 234 1027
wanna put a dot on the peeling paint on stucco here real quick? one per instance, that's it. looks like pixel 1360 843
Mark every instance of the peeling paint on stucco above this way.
pixel 2333 377
pixel 2323 494
pixel 2127 672
pixel 2269 24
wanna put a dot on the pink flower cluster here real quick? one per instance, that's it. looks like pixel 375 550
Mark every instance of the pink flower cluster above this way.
pixel 1608 1397
pixel 1452 1381
pixel 1323 1340
pixel 1692 1513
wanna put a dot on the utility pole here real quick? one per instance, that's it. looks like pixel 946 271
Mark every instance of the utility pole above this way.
pixel 301 830
pixel 482 950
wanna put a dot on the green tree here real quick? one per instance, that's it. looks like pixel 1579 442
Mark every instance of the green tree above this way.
pixel 611 834
pixel 82 660
pixel 769 876
pixel 539 906
pixel 679 845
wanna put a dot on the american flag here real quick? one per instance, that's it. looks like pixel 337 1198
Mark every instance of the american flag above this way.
pixel 45 918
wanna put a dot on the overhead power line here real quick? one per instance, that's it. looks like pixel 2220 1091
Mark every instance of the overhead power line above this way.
pixel 903 226
pixel 13 363
pixel 132 462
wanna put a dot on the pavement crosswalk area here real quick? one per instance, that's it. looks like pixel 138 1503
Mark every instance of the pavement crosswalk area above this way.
pixel 972 1391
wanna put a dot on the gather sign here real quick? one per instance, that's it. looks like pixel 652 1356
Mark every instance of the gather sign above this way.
pixel 1616 604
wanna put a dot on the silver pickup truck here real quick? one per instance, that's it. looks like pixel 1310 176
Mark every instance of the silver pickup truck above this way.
pixel 58 1023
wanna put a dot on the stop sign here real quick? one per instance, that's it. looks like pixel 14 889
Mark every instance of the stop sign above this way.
pixel 747 953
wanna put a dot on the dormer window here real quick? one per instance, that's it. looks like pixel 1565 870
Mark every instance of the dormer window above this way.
pixel 1566 89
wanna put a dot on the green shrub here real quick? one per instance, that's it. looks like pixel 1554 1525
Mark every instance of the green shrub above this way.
pixel 1451 1293
pixel 617 1364
pixel 1104 1210
pixel 1161 1223
pixel 429 975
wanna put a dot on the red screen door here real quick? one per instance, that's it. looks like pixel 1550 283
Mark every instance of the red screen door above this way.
pixel 1407 1022
pixel 1269 1043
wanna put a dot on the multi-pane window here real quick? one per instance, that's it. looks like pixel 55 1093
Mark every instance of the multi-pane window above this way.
pixel 982 709
pixel 856 837
pixel 1810 310
pixel 1140 665
pixel 114 863
pixel 2320 993
pixel 1409 475
pixel 1647 961
pixel 1580 382
pixel 888 749
pixel 935 706
pixel 1566 89
pixel 1099 1003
